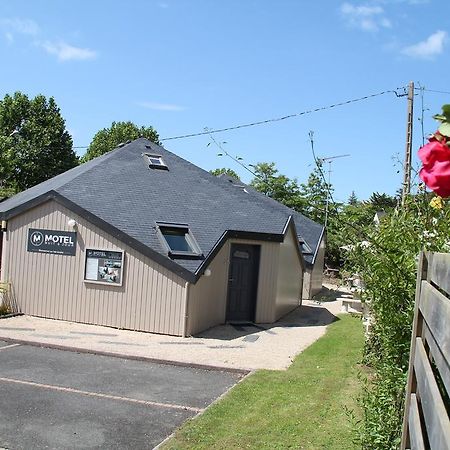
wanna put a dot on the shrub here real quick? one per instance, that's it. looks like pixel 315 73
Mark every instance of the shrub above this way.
pixel 5 306
pixel 388 267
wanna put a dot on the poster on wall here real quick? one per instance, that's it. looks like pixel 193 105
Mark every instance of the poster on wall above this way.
pixel 52 241
pixel 104 266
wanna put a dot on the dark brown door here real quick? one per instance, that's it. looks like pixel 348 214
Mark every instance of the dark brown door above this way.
pixel 242 282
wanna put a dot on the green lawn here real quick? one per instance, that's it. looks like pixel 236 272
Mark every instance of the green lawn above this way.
pixel 303 407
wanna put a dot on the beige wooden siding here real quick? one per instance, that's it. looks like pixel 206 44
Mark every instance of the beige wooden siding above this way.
pixel 208 297
pixel 207 300
pixel 314 276
pixel 306 293
pixel 290 273
pixel 150 299
pixel 317 273
pixel 267 282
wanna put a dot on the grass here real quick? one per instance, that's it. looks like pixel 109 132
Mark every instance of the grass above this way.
pixel 301 408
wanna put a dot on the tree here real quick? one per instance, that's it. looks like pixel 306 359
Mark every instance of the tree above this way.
pixel 224 170
pixel 34 142
pixel 382 202
pixel 353 199
pixel 109 138
pixel 316 191
pixel 277 186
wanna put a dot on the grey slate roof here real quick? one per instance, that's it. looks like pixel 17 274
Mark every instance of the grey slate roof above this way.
pixel 118 192
pixel 307 230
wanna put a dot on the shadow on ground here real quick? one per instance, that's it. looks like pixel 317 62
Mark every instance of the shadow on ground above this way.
pixel 303 316
pixel 330 294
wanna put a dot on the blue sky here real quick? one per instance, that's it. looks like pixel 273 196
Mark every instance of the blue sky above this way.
pixel 181 66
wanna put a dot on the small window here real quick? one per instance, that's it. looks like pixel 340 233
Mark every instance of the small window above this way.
pixel 304 247
pixel 155 161
pixel 178 240
pixel 241 255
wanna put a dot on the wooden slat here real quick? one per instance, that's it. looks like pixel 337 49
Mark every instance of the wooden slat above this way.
pixel 435 308
pixel 441 364
pixel 439 270
pixel 415 427
pixel 422 268
pixel 435 415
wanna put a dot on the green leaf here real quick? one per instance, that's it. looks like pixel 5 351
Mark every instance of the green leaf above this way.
pixel 444 129
pixel 440 117
pixel 446 109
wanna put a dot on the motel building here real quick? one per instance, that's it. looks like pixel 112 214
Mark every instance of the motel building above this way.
pixel 141 239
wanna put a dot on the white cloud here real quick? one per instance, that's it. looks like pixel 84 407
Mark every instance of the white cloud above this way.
pixel 429 48
pixel 11 27
pixel 29 28
pixel 22 26
pixel 365 17
pixel 67 52
pixel 161 106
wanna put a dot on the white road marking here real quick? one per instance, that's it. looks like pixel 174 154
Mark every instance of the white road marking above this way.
pixel 8 346
pixel 100 395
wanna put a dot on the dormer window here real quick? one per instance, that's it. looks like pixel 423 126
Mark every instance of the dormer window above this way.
pixel 155 161
pixel 178 240
pixel 306 250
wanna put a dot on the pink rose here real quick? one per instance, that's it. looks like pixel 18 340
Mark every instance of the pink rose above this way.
pixel 435 172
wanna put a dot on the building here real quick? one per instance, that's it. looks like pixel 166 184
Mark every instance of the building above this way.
pixel 141 239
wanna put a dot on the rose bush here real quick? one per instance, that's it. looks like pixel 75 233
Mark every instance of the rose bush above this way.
pixel 435 157
pixel 435 173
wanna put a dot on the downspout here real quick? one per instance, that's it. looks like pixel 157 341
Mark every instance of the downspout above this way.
pixel 186 305
pixel 4 253
pixel 301 288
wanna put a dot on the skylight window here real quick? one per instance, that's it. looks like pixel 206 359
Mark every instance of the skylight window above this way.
pixel 178 240
pixel 155 161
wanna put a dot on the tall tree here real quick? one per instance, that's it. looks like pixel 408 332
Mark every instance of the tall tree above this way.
pixel 277 186
pixel 353 199
pixel 224 170
pixel 34 142
pixel 109 138
pixel 315 192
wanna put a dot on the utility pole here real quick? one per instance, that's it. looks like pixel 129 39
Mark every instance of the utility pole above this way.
pixel 409 135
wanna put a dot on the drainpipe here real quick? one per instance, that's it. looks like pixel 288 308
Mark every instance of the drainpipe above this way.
pixel 301 289
pixel 185 302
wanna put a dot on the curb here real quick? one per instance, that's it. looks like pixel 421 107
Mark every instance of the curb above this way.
pixel 242 372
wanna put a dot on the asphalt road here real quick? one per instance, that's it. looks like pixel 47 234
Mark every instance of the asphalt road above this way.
pixel 54 399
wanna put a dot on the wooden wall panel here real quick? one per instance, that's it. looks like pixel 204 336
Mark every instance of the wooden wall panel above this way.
pixel 290 273
pixel 46 285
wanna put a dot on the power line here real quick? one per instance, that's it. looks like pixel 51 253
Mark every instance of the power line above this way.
pixel 432 90
pixel 398 92
pixel 278 119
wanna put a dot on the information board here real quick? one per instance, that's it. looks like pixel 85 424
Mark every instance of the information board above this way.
pixel 104 266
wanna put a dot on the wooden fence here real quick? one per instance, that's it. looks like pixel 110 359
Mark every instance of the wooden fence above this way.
pixel 426 422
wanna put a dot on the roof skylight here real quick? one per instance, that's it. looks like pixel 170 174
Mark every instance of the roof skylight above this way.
pixel 155 161
pixel 178 240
